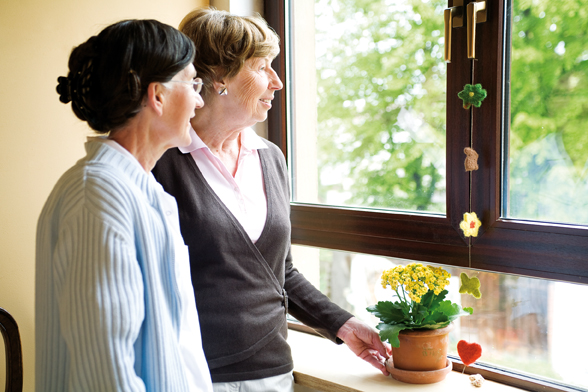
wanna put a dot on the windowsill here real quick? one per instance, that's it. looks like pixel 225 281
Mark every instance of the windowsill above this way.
pixel 321 365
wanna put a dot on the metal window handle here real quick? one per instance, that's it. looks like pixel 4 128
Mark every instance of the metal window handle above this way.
pixel 476 13
pixel 453 18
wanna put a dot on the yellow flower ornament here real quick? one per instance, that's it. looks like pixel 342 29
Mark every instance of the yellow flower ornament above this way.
pixel 470 286
pixel 470 224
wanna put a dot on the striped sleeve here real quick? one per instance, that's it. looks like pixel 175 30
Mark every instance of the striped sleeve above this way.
pixel 99 290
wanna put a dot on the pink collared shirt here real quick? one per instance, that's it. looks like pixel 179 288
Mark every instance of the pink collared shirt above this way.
pixel 244 194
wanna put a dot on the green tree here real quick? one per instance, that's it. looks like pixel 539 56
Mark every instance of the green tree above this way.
pixel 549 110
pixel 381 102
pixel 381 105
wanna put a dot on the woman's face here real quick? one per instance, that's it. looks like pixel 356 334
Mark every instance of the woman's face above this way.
pixel 182 100
pixel 251 92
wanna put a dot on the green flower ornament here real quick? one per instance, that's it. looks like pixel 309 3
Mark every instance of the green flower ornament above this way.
pixel 470 285
pixel 472 95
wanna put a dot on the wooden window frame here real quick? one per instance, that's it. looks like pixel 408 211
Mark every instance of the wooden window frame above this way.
pixel 533 249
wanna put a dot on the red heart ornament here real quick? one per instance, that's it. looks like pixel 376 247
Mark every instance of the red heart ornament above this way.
pixel 468 352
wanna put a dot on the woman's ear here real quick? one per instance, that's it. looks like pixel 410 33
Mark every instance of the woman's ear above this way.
pixel 219 83
pixel 156 97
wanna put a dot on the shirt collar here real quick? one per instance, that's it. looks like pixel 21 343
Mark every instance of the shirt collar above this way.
pixel 249 141
pixel 113 144
pixel 106 151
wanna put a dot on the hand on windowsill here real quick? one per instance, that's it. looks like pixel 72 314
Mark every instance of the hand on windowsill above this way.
pixel 365 342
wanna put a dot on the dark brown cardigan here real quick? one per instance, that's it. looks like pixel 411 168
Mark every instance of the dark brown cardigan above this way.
pixel 239 286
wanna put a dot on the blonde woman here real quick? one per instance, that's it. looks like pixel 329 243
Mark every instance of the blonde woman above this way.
pixel 233 194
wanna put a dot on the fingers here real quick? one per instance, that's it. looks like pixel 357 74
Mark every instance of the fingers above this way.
pixel 365 342
pixel 383 349
pixel 373 338
pixel 377 362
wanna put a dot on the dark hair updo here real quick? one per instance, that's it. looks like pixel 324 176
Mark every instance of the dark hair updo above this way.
pixel 109 74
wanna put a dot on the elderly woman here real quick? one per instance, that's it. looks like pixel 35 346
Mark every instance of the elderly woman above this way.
pixel 115 309
pixel 233 195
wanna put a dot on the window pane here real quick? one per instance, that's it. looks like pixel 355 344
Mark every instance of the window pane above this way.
pixel 531 326
pixel 369 123
pixel 548 165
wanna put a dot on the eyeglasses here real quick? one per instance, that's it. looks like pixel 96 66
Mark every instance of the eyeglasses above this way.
pixel 196 84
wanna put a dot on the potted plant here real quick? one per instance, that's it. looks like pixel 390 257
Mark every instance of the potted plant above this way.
pixel 419 319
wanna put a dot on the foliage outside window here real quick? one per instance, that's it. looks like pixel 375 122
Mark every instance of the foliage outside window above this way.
pixel 549 111
pixel 381 104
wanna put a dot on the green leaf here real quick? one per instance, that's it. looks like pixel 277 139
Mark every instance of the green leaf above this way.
pixel 390 333
pixel 389 312
pixel 420 315
pixel 433 300
pixel 451 310
pixel 435 325
pixel 436 317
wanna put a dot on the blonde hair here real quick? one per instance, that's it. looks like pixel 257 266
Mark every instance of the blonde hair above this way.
pixel 224 41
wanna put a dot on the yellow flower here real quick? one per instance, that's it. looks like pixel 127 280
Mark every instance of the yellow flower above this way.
pixel 415 280
pixel 470 224
pixel 412 283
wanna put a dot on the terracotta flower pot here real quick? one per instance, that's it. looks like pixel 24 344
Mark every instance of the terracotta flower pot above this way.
pixel 422 350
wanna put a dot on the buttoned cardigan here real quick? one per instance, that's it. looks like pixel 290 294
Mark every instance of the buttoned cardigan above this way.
pixel 107 301
pixel 243 289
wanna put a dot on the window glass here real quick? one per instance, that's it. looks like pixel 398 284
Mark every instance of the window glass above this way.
pixel 548 165
pixel 531 326
pixel 369 125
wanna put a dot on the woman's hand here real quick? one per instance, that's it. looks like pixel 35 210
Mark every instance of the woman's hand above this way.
pixel 365 342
